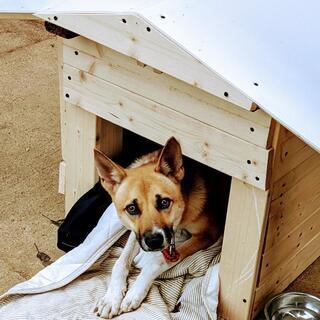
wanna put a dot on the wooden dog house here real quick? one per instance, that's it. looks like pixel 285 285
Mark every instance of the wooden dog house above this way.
pixel 239 98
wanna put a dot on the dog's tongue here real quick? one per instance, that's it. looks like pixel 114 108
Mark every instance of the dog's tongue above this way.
pixel 173 257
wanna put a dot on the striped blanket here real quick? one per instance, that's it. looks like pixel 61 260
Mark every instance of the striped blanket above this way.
pixel 69 288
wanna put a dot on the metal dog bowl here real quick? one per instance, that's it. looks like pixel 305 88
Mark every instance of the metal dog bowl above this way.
pixel 293 306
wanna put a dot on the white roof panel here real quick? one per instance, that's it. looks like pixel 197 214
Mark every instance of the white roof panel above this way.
pixel 268 50
pixel 22 6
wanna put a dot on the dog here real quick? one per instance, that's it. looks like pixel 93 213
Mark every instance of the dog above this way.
pixel 160 195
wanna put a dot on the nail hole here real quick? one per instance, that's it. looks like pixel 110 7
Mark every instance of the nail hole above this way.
pixel 55 18
pixel 226 94
pixel 286 153
pixel 124 20
pixel 281 194
pixel 277 282
pixel 257 178
pixel 283 185
pixel 148 29
pixel 244 300
pixel 298 245
pixel 300 235
pixel 248 161
pixel 251 129
pixel 256 84
pixel 67 95
pixel 162 17
pixel 267 265
pixel 69 78
pixel 76 53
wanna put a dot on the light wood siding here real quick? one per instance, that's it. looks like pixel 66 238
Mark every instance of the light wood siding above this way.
pixel 292 239
pixel 83 133
pixel 241 250
pixel 157 122
pixel 153 48
pixel 141 79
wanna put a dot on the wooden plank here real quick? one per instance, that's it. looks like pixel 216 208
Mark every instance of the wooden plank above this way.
pixel 125 72
pixel 80 141
pixel 242 246
pixel 63 111
pixel 293 145
pixel 84 132
pixel 109 137
pixel 295 197
pixel 157 122
pixel 280 225
pixel 289 245
pixel 293 152
pixel 293 207
pixel 62 177
pixel 289 180
pixel 135 39
pixel 286 272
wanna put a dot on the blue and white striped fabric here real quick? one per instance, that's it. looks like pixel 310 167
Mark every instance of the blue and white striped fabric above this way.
pixel 69 288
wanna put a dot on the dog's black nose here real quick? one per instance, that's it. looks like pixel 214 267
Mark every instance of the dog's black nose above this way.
pixel 154 241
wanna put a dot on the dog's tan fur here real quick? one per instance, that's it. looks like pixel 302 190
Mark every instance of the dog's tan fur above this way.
pixel 164 174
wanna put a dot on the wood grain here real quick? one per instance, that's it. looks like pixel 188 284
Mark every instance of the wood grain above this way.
pixel 125 72
pixel 242 246
pixel 151 48
pixel 157 122
pixel 286 272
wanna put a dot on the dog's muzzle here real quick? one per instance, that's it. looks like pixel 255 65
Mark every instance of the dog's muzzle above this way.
pixel 154 241
pixel 157 240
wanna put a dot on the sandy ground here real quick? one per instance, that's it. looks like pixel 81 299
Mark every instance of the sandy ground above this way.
pixel 30 154
pixel 30 149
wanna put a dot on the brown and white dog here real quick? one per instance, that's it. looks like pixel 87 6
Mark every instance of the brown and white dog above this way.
pixel 160 195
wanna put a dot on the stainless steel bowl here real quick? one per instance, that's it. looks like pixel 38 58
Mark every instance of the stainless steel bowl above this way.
pixel 293 306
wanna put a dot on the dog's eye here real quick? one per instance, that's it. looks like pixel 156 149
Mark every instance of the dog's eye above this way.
pixel 132 209
pixel 163 203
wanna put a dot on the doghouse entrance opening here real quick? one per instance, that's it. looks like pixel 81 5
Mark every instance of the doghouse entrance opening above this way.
pixel 134 146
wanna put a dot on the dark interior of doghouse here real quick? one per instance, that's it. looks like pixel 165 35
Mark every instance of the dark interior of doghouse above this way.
pixel 86 212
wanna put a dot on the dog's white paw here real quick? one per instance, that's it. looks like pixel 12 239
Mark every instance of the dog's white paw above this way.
pixel 133 299
pixel 108 306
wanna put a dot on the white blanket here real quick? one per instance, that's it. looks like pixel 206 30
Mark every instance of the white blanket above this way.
pixel 68 288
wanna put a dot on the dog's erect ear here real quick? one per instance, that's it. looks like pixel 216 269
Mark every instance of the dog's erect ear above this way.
pixel 110 173
pixel 170 161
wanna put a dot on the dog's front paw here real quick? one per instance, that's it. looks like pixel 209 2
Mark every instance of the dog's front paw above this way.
pixel 108 306
pixel 133 299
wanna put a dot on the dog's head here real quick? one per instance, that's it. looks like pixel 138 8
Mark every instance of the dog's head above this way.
pixel 148 197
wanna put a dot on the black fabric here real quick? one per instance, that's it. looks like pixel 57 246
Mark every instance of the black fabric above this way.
pixel 83 217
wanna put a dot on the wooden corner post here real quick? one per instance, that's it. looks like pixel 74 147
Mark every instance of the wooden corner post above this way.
pixel 84 132
pixel 242 246
pixel 81 131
